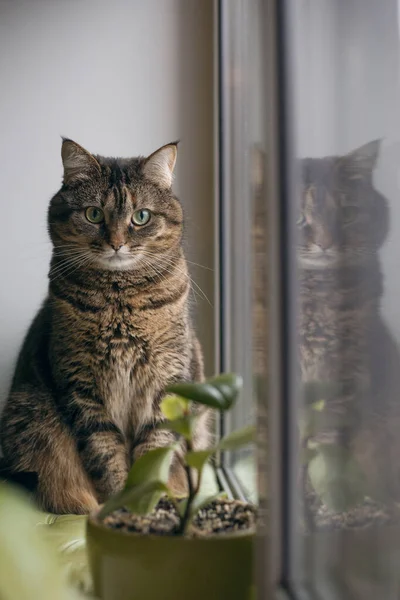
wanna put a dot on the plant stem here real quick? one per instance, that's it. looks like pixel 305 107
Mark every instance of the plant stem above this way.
pixel 192 491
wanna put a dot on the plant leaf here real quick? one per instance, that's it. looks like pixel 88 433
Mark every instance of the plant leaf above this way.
pixel 315 418
pixel 229 384
pixel 337 478
pixel 152 466
pixel 306 454
pixel 202 393
pixel 198 458
pixel 202 501
pixel 140 499
pixel 144 500
pixel 237 439
pixel 184 426
pixel 173 407
pixel 313 391
pixel 30 566
pixel 319 406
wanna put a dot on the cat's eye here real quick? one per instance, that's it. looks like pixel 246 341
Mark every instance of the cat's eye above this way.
pixel 94 214
pixel 349 213
pixel 141 217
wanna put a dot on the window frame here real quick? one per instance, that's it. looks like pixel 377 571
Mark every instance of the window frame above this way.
pixel 274 542
pixel 223 112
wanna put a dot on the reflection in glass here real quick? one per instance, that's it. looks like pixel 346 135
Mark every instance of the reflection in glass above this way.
pixel 347 328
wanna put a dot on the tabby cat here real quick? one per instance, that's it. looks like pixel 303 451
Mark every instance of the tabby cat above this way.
pixel 343 223
pixel 113 331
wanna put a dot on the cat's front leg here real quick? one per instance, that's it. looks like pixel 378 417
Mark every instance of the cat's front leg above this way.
pixel 101 444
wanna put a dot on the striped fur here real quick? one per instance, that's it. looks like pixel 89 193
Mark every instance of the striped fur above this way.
pixel 110 336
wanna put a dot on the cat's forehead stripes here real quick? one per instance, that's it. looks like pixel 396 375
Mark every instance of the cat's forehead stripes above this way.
pixel 318 197
pixel 120 200
pixel 119 194
pixel 118 175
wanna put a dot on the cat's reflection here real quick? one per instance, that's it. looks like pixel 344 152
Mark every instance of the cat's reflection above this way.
pixel 343 222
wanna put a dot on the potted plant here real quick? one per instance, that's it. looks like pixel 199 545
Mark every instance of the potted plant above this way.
pixel 147 544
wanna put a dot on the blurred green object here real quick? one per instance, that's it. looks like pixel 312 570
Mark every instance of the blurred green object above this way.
pixel 66 535
pixel 29 566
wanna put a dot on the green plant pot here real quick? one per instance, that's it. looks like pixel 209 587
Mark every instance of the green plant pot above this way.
pixel 132 567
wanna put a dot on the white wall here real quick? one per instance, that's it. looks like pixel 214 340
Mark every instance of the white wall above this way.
pixel 348 57
pixel 121 78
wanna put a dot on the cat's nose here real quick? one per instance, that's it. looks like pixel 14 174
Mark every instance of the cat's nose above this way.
pixel 323 241
pixel 324 245
pixel 116 245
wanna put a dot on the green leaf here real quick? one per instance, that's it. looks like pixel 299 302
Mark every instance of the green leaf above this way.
pixel 306 454
pixel 152 466
pixel 237 439
pixel 319 406
pixel 316 418
pixel 145 499
pixel 337 478
pixel 184 426
pixel 229 384
pixel 140 499
pixel 313 391
pixel 30 565
pixel 202 393
pixel 203 501
pixel 198 458
pixel 173 407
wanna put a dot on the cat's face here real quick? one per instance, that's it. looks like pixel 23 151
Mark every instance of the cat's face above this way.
pixel 115 214
pixel 343 219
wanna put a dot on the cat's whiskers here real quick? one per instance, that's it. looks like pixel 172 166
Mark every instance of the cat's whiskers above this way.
pixel 68 253
pixel 66 259
pixel 163 276
pixel 203 294
pixel 53 275
pixel 86 261
pixel 173 264
pixel 199 265
pixel 76 261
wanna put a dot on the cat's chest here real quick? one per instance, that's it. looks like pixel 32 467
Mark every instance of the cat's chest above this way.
pixel 136 363
pixel 332 332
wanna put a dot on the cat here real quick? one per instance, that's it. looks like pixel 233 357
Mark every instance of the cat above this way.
pixel 113 332
pixel 343 222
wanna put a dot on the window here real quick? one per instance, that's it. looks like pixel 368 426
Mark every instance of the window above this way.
pixel 312 87
pixel 242 220
pixel 345 75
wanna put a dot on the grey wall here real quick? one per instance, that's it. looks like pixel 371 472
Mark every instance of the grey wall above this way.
pixel 348 93
pixel 121 78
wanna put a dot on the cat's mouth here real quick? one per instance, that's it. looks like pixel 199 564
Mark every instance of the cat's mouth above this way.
pixel 332 258
pixel 318 259
pixel 117 261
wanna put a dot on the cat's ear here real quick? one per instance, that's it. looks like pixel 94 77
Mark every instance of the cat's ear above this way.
pixel 364 159
pixel 78 163
pixel 159 166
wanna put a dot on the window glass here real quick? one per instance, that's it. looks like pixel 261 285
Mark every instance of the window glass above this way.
pixel 345 114
pixel 243 236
